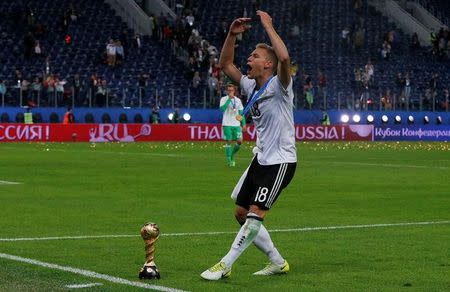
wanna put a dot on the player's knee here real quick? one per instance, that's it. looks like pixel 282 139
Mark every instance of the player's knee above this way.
pixel 241 215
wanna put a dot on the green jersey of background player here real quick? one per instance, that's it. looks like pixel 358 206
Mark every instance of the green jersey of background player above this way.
pixel 232 108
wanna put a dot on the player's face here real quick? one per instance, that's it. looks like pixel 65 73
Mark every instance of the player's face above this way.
pixel 257 63
pixel 230 91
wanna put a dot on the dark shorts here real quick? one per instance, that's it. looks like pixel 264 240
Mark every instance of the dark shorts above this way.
pixel 262 184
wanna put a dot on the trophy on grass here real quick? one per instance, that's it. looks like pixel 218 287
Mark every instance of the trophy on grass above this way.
pixel 150 234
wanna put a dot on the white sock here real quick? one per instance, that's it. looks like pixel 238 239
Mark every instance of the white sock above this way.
pixel 243 239
pixel 264 243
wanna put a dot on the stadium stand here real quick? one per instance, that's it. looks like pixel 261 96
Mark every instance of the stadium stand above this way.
pixel 73 36
pixel 440 9
pixel 319 46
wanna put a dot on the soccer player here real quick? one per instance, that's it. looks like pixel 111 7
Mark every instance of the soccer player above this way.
pixel 268 84
pixel 232 108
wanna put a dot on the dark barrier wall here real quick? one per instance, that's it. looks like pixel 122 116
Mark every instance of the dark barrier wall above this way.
pixel 85 115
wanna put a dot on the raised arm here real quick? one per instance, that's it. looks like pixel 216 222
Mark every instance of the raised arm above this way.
pixel 226 59
pixel 284 61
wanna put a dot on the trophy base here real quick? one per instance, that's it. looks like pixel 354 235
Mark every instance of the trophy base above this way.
pixel 149 272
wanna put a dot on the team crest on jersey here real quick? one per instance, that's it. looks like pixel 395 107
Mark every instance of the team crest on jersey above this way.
pixel 255 110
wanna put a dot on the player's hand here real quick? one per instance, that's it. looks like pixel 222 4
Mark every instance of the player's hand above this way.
pixel 240 25
pixel 265 18
pixel 244 128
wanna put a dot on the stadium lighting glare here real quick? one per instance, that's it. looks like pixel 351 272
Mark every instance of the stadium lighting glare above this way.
pixel 384 119
pixel 410 120
pixel 370 119
pixel 439 120
pixel 398 119
pixel 356 118
pixel 170 116
pixel 345 119
pixel 426 119
pixel 186 117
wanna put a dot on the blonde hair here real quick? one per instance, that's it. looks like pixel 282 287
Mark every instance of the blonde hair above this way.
pixel 271 55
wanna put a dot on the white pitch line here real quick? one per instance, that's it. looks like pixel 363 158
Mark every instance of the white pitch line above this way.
pixel 379 164
pixel 5 182
pixel 81 286
pixel 88 273
pixel 302 229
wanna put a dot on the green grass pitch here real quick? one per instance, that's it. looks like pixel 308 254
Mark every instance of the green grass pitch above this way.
pixel 87 189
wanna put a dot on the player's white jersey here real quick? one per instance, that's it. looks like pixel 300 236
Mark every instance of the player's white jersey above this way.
pixel 229 116
pixel 273 117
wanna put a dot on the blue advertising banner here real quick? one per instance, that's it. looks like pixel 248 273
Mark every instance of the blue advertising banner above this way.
pixel 413 133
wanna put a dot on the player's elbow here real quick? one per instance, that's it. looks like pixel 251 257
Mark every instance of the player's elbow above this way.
pixel 223 64
pixel 284 59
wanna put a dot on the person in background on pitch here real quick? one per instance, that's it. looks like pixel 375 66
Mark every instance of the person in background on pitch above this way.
pixel 69 117
pixel 325 121
pixel 232 108
pixel 268 84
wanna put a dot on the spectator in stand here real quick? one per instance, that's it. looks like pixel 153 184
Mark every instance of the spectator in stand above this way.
pixel 427 100
pixel 36 89
pixel 168 33
pixel 448 49
pixel 190 19
pixel 142 84
pixel 322 85
pixel 38 50
pixel 442 47
pixel 358 80
pixel 308 91
pixel 161 22
pixel 415 43
pixel 407 91
pixel 358 6
pixel 59 87
pixel 444 101
pixel 73 13
pixel 294 70
pixel 2 89
pixel 123 38
pixel 49 83
pixel 93 82
pixel 196 80
pixel 25 88
pixel 390 38
pixel 370 72
pixel 359 38
pixel 434 40
pixel 385 50
pixel 111 53
pixel 18 75
pixel 40 30
pixel 400 84
pixel 28 43
pixel 294 31
pixel 433 84
pixel 77 87
pixel 213 85
pixel 101 93
pixel 119 52
pixel 345 36
pixel 151 23
pixel 214 68
pixel 386 100
pixel 138 42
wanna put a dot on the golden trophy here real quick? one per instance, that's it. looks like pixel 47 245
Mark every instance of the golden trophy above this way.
pixel 150 234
